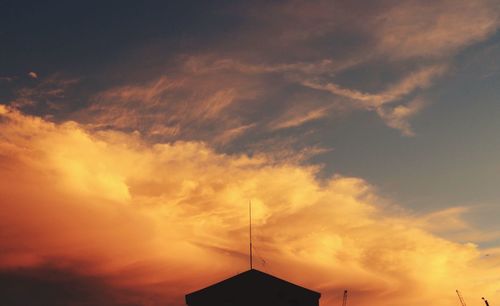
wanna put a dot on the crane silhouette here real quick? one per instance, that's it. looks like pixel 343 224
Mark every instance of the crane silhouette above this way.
pixel 485 301
pixel 461 298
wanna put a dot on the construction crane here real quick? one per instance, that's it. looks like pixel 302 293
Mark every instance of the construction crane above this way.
pixel 461 298
pixel 344 300
pixel 486 301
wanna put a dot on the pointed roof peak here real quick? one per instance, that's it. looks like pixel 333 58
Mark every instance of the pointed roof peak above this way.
pixel 252 280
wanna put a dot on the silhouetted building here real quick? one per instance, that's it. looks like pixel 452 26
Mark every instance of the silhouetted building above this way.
pixel 254 288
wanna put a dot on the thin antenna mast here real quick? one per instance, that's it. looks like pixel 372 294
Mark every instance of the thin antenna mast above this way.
pixel 250 234
pixel 344 299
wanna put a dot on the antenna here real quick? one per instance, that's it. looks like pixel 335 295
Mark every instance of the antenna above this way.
pixel 250 233
pixel 344 299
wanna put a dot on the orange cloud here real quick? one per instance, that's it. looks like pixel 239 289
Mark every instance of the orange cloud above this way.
pixel 399 30
pixel 228 86
pixel 182 106
pixel 164 219
pixel 413 29
pixel 47 92
pixel 416 80
pixel 396 117
pixel 298 116
pixel 305 49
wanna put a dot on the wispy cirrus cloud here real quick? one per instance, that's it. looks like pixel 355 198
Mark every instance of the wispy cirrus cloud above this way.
pixel 49 92
pixel 7 79
pixel 228 90
pixel 180 106
pixel 400 30
pixel 394 116
pixel 434 28
pixel 416 80
pixel 297 116
pixel 398 117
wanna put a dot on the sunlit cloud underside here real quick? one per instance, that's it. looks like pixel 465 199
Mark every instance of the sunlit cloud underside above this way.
pixel 152 222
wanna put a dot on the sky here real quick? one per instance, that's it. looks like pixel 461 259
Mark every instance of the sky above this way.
pixel 134 134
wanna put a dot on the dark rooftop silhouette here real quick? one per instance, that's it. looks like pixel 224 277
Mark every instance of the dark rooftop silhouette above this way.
pixel 253 287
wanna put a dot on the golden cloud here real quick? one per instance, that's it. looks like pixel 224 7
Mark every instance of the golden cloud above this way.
pixel 165 219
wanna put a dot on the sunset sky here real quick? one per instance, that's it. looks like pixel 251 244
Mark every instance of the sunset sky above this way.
pixel 134 133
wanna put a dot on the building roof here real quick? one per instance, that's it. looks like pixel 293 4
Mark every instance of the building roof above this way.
pixel 252 282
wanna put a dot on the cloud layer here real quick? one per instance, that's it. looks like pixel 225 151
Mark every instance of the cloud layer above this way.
pixel 309 66
pixel 150 222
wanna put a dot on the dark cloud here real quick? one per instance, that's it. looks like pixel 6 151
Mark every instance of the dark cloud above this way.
pixel 50 284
